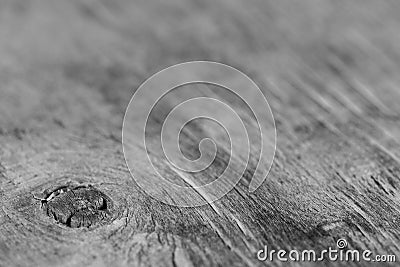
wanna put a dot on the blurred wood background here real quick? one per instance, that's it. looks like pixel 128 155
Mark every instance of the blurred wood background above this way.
pixel 330 70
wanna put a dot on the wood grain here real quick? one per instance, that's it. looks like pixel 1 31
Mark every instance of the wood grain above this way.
pixel 328 68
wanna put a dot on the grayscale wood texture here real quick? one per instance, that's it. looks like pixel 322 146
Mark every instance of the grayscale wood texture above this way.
pixel 330 71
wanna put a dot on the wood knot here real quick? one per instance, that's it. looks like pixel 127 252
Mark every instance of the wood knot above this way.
pixel 81 206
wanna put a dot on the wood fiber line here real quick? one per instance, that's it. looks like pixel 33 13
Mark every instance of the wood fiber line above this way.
pixel 329 70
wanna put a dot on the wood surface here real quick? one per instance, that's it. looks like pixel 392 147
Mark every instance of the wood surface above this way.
pixel 329 69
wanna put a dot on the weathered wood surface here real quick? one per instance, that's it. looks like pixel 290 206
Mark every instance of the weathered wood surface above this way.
pixel 330 72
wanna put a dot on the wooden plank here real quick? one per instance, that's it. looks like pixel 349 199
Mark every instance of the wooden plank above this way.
pixel 329 71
